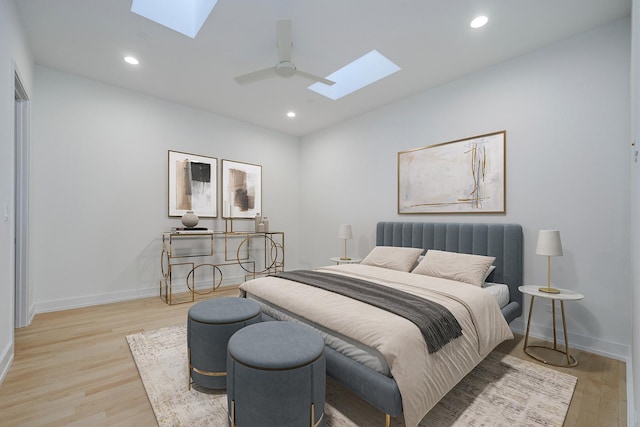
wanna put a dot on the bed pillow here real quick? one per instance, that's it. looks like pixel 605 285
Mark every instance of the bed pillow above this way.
pixel 465 268
pixel 489 271
pixel 393 258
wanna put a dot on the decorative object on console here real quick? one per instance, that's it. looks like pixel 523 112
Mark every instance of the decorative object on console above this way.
pixel 344 232
pixel 192 185
pixel 258 220
pixel 190 220
pixel 549 244
pixel 241 189
pixel 462 176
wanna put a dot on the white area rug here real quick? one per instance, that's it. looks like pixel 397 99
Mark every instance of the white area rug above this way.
pixel 501 391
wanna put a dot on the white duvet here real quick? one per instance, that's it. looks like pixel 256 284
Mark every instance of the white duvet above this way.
pixel 423 378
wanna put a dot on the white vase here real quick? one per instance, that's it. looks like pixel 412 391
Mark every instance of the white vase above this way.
pixel 189 219
pixel 257 221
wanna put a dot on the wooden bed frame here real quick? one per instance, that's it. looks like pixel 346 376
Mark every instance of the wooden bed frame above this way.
pixel 502 241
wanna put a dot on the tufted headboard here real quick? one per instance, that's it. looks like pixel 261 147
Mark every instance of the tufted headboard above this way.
pixel 503 241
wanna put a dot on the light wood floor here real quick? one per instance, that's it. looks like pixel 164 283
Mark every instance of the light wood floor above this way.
pixel 74 368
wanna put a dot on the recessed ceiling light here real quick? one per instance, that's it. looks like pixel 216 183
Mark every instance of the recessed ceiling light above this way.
pixel 362 72
pixel 291 114
pixel 131 60
pixel 479 21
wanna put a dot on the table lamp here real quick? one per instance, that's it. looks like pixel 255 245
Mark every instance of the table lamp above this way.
pixel 345 233
pixel 549 244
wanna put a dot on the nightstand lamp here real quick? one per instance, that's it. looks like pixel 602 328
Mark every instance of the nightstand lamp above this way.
pixel 549 244
pixel 345 233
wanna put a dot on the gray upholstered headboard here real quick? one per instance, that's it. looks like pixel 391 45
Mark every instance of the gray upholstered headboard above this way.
pixel 503 241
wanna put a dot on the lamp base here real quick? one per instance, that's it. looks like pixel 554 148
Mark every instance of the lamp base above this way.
pixel 549 290
pixel 345 258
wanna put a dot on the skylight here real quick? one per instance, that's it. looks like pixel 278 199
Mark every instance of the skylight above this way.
pixel 360 73
pixel 184 16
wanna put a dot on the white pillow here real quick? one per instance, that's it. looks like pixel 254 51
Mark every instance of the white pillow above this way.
pixel 455 266
pixel 489 271
pixel 393 258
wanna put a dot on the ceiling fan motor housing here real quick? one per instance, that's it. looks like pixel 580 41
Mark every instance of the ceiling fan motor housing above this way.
pixel 285 68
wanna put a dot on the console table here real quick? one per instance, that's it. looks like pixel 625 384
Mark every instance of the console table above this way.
pixel 206 253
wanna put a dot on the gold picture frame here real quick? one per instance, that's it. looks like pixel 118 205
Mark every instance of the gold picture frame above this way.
pixel 192 184
pixel 462 176
pixel 241 189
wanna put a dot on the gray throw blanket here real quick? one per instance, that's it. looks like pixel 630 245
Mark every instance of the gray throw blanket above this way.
pixel 437 324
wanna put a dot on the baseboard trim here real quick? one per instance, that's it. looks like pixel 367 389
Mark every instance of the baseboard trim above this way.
pixel 6 361
pixel 107 298
pixel 589 344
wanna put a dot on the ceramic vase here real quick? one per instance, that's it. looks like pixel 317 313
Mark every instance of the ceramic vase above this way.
pixel 257 221
pixel 189 219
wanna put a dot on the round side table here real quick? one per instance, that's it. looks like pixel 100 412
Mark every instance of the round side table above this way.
pixel 338 260
pixel 562 296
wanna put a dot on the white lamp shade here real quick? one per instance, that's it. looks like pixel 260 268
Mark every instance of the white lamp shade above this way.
pixel 549 243
pixel 345 232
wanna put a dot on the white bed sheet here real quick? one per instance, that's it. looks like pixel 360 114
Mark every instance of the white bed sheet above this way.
pixel 499 291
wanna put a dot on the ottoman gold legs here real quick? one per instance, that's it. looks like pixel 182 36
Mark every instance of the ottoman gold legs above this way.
pixel 199 371
pixel 232 418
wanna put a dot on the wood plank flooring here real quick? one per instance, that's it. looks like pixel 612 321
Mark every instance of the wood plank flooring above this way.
pixel 74 368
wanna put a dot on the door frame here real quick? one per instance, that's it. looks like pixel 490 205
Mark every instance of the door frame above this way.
pixel 22 125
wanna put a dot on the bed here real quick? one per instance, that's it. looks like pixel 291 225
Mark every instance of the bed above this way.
pixel 411 381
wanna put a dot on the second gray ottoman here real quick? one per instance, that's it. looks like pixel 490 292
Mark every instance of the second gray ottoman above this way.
pixel 276 376
pixel 210 324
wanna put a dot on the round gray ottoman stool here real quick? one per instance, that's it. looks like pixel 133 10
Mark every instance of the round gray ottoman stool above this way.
pixel 210 324
pixel 276 376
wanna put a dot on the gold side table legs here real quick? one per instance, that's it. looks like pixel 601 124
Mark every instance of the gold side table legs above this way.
pixel 570 360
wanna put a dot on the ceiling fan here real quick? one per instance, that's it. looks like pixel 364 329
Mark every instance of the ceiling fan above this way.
pixel 284 67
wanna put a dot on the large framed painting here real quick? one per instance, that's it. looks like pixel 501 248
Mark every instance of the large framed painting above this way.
pixel 241 189
pixel 462 176
pixel 193 184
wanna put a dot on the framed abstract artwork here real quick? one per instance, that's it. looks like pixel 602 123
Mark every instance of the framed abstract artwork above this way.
pixel 193 184
pixel 462 176
pixel 241 189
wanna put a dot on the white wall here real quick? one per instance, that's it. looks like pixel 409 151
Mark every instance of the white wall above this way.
pixel 14 57
pixel 634 386
pixel 99 185
pixel 566 112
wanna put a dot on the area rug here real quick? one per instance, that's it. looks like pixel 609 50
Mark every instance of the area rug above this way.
pixel 501 391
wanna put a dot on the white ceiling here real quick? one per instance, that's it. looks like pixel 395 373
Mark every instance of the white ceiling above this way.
pixel 429 39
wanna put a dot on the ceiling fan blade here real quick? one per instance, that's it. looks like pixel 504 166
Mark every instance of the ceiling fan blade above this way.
pixel 256 75
pixel 314 77
pixel 283 29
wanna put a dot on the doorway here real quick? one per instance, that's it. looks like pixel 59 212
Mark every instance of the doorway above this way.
pixel 21 214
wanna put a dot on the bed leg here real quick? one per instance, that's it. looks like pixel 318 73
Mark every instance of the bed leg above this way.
pixel 387 419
